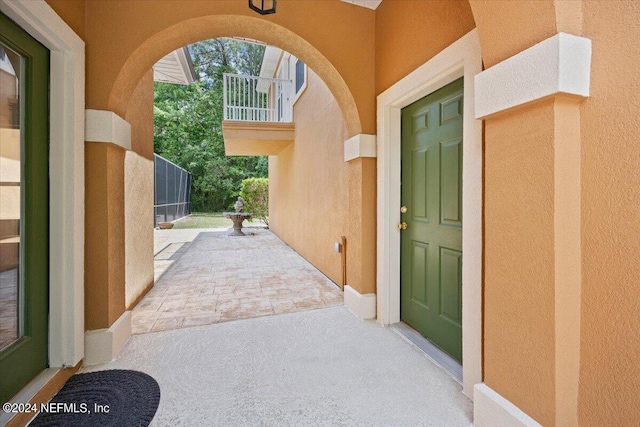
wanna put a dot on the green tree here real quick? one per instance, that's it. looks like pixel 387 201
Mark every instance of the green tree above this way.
pixel 188 124
pixel 255 193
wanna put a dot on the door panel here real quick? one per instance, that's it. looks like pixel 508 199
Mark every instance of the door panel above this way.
pixel 431 246
pixel 450 185
pixel 420 269
pixel 451 285
pixel 24 207
pixel 420 199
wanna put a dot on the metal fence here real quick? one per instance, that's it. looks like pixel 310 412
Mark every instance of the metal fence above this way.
pixel 172 195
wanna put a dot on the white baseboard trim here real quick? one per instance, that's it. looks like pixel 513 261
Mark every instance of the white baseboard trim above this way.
pixel 363 306
pixel 490 409
pixel 103 345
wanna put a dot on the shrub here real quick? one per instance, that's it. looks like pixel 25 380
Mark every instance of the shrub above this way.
pixel 255 193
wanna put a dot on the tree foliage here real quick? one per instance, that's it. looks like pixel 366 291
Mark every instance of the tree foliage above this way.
pixel 188 124
pixel 255 193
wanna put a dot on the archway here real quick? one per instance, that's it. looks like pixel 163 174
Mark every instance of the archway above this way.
pixel 215 26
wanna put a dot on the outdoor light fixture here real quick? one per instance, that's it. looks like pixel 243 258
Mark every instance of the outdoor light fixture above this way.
pixel 253 5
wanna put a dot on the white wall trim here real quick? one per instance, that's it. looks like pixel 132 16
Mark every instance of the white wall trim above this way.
pixel 361 145
pixel 558 65
pixel 362 306
pixel 107 126
pixel 103 345
pixel 490 409
pixel 66 176
pixel 461 59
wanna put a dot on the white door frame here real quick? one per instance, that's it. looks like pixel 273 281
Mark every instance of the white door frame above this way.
pixel 66 176
pixel 461 59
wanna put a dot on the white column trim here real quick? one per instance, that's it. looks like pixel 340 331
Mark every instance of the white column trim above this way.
pixel 66 175
pixel 361 145
pixel 490 409
pixel 461 59
pixel 558 65
pixel 362 306
pixel 104 345
pixel 107 126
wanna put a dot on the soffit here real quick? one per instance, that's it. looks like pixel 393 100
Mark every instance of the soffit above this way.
pixel 270 61
pixel 176 67
pixel 369 4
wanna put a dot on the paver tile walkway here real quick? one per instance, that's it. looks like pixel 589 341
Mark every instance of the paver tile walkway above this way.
pixel 216 278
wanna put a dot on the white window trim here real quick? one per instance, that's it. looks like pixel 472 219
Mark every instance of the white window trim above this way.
pixel 461 59
pixel 66 176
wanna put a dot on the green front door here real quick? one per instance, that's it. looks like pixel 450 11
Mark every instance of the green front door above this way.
pixel 431 244
pixel 24 207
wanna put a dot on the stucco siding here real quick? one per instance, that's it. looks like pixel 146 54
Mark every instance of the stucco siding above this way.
pixel 610 329
pixel 138 194
pixel 410 32
pixel 308 188
pixel 138 229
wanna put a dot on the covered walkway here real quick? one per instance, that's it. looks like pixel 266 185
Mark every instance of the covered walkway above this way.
pixel 321 368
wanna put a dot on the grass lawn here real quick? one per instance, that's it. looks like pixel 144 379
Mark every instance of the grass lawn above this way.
pixel 211 220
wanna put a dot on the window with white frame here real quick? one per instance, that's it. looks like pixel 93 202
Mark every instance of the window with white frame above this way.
pixel 300 76
pixel 295 70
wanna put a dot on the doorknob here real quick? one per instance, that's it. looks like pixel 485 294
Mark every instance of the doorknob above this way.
pixel 403 209
pixel 402 226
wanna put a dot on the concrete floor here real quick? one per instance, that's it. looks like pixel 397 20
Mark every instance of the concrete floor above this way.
pixel 208 277
pixel 315 368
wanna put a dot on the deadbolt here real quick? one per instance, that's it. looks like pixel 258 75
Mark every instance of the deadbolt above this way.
pixel 403 209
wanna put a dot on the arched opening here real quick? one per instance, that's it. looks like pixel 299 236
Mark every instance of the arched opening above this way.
pixel 209 27
pixel 312 166
pixel 136 39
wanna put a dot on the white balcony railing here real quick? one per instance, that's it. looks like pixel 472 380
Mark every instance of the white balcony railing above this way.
pixel 257 99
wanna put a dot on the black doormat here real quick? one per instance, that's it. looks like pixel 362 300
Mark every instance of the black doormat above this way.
pixel 104 398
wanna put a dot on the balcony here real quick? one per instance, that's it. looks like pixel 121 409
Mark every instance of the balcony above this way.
pixel 258 115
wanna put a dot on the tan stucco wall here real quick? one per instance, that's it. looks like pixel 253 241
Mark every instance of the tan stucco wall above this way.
pixel 138 226
pixel 361 216
pixel 610 347
pixel 104 235
pixel 138 193
pixel 608 328
pixel 72 12
pixel 132 35
pixel 509 27
pixel 308 193
pixel 410 32
pixel 140 117
pixel 519 259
